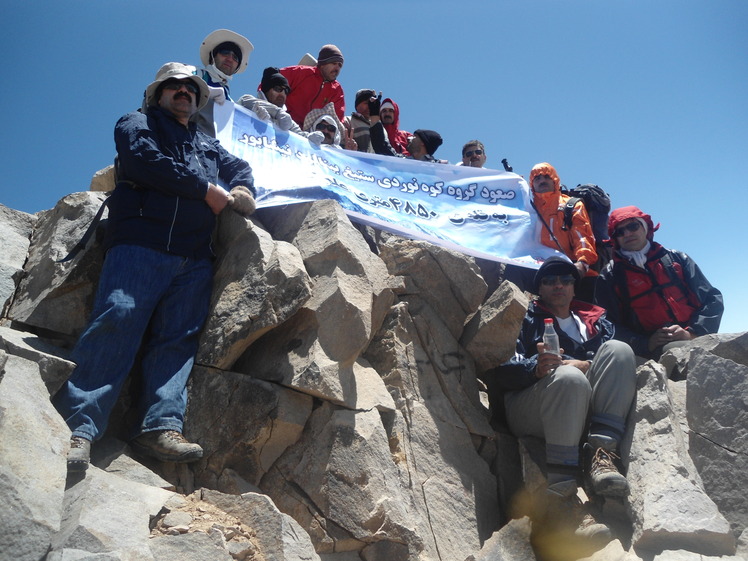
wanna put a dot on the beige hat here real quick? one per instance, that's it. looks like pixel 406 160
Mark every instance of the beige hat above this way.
pixel 178 71
pixel 226 36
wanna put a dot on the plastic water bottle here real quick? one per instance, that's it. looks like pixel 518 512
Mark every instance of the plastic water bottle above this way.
pixel 550 338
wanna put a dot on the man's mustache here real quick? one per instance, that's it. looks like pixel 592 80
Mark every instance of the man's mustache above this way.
pixel 183 94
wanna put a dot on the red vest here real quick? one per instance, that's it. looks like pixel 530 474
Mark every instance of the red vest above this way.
pixel 658 296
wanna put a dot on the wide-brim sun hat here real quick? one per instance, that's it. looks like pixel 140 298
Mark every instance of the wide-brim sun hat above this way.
pixel 177 71
pixel 226 36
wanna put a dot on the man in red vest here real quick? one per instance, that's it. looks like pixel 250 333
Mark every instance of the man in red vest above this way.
pixel 658 298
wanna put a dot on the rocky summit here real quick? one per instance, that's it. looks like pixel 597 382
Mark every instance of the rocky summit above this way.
pixel 337 395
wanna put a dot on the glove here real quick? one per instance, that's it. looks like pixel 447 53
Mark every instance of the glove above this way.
pixel 284 121
pixel 217 95
pixel 316 137
pixel 375 105
pixel 262 113
pixel 242 201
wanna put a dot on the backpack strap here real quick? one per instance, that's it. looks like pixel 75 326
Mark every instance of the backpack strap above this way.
pixel 553 237
pixel 569 212
pixel 81 245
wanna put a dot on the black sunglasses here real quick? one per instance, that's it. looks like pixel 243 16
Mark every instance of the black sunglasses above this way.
pixel 189 85
pixel 471 152
pixel 631 227
pixel 326 127
pixel 566 280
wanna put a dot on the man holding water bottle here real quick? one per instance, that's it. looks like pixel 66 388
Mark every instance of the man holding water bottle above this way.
pixel 582 394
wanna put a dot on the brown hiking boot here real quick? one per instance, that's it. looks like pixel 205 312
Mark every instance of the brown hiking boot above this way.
pixel 566 530
pixel 167 446
pixel 604 476
pixel 79 455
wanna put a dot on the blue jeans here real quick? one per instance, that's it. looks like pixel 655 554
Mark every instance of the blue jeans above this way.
pixel 143 295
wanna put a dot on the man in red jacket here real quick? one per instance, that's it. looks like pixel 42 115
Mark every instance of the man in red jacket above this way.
pixel 313 87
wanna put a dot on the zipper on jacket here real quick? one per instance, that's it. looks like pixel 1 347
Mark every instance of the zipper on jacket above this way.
pixel 171 227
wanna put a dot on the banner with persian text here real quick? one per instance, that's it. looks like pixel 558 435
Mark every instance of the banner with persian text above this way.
pixel 481 212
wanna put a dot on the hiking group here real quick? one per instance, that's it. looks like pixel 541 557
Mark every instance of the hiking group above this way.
pixel 636 298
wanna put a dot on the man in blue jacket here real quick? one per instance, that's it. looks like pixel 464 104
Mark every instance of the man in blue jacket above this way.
pixel 155 284
pixel 551 396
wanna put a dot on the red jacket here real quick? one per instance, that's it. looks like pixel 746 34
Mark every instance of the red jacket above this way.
pixel 310 91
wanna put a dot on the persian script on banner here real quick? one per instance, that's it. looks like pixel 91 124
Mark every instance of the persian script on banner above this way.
pixel 482 212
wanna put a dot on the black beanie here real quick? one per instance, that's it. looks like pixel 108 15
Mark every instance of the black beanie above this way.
pixel 431 139
pixel 272 77
pixel 555 266
pixel 362 95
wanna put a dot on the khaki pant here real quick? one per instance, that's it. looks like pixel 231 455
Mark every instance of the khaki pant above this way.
pixel 556 407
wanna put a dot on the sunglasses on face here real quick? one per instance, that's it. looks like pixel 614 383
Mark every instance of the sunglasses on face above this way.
pixel 631 227
pixel 326 127
pixel 188 85
pixel 228 52
pixel 279 89
pixel 471 152
pixel 566 280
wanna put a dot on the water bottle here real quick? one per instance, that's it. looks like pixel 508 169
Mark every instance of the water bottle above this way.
pixel 550 338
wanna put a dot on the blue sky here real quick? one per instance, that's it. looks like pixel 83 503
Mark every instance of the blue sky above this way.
pixel 647 99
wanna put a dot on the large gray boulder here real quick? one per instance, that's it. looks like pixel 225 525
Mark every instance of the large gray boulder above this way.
pixel 667 503
pixel 33 444
pixel 717 413
pixel 104 513
pixel 243 424
pixel 490 335
pixel 16 228
pixel 50 359
pixel 58 296
pixel 258 284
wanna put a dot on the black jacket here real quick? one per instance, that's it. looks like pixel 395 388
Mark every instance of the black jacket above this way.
pixel 163 171
pixel 519 372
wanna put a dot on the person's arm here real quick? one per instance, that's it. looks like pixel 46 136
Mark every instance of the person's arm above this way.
pixel 583 240
pixel 338 100
pixel 235 171
pixel 708 317
pixel 143 162
pixel 379 141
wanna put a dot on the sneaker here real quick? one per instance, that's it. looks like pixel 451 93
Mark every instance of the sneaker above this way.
pixel 167 446
pixel 604 476
pixel 79 455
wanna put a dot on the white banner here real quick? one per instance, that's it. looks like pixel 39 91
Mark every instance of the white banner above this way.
pixel 482 212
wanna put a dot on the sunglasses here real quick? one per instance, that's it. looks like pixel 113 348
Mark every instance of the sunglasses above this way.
pixel 228 52
pixel 280 89
pixel 566 280
pixel 631 227
pixel 326 127
pixel 188 85
pixel 471 152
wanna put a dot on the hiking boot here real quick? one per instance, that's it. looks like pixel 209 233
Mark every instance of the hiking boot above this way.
pixel 604 476
pixel 167 446
pixel 567 530
pixel 79 455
